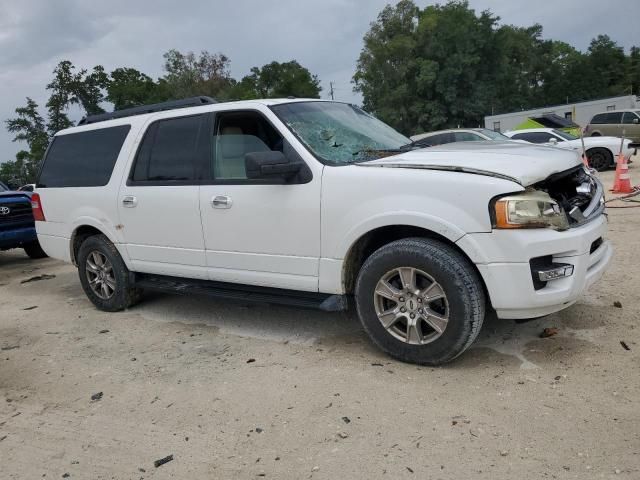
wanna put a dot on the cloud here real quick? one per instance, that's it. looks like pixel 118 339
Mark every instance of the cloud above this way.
pixel 324 36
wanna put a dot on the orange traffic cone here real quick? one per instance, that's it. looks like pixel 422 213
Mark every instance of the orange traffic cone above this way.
pixel 622 181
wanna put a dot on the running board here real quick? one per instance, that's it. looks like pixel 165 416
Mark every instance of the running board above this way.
pixel 242 293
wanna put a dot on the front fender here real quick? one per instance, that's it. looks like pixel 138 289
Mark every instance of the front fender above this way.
pixel 388 219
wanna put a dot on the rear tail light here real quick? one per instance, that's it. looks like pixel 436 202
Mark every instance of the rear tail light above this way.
pixel 36 206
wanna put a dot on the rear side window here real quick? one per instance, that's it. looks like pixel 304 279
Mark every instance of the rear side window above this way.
pixel 84 159
pixel 437 139
pixel 613 117
pixel 171 150
pixel 534 137
pixel 599 119
pixel 466 137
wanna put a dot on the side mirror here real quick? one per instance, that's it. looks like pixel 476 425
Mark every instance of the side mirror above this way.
pixel 636 121
pixel 270 165
pixel 553 141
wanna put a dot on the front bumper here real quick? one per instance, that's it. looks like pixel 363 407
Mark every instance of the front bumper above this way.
pixel 17 237
pixel 502 258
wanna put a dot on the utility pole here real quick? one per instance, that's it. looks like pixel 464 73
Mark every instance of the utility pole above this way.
pixel 331 90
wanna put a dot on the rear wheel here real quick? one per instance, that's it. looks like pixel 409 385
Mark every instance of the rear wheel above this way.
pixel 105 278
pixel 420 301
pixel 600 158
pixel 34 250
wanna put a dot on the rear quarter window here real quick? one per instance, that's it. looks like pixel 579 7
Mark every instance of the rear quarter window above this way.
pixel 84 159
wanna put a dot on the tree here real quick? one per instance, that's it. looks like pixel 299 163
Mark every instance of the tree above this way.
pixel 29 127
pixel 634 70
pixel 446 65
pixel 278 80
pixel 388 68
pixel 607 63
pixel 188 75
pixel 127 87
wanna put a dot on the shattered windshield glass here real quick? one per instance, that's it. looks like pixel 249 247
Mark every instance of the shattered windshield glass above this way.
pixel 341 133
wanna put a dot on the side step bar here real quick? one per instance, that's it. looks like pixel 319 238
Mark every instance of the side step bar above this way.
pixel 243 293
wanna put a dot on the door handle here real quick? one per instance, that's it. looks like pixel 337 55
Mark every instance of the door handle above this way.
pixel 129 201
pixel 221 201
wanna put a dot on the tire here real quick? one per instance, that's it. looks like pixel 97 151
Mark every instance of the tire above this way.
pixel 34 250
pixel 600 159
pixel 595 134
pixel 439 268
pixel 114 290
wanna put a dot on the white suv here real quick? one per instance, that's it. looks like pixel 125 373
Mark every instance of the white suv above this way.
pixel 312 203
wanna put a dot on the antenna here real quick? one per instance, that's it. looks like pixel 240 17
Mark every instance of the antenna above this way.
pixel 331 90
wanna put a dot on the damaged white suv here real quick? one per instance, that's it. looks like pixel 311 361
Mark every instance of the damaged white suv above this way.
pixel 313 203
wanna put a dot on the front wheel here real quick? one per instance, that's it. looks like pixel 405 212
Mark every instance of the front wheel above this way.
pixel 104 276
pixel 420 301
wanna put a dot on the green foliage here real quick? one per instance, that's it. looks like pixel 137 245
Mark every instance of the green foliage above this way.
pixel 28 127
pixel 127 87
pixel 278 80
pixel 189 75
pixel 447 66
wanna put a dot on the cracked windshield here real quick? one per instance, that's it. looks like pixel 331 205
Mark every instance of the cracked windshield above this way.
pixel 341 133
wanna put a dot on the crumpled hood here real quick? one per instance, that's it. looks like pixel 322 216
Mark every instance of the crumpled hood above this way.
pixel 525 164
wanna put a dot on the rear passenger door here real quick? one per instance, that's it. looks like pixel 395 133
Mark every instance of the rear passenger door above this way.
pixel 613 125
pixel 159 199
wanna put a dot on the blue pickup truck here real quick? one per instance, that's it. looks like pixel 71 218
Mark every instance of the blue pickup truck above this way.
pixel 17 228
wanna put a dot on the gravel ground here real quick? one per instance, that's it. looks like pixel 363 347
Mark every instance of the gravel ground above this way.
pixel 251 391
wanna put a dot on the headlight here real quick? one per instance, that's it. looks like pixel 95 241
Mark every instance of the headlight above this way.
pixel 532 209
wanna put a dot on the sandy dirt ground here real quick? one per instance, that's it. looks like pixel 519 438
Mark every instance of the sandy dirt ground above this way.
pixel 237 391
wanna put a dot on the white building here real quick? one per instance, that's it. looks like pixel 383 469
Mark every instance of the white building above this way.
pixel 581 112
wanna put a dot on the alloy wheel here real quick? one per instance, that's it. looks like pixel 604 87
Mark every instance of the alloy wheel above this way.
pixel 411 305
pixel 100 275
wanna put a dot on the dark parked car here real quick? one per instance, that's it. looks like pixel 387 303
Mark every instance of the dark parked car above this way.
pixel 17 227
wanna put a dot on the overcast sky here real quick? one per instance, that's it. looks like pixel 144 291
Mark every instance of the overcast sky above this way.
pixel 325 36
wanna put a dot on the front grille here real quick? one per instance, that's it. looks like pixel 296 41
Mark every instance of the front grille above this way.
pixel 20 214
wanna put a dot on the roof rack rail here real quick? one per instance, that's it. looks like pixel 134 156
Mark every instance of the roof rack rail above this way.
pixel 156 107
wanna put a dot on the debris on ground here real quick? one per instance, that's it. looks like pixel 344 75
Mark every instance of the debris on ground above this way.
pixel 624 345
pixel 96 396
pixel 251 360
pixel 104 331
pixel 259 430
pixel 617 304
pixel 346 419
pixel 504 453
pixel 162 461
pixel 549 332
pixel 377 365
pixel 31 308
pixel 12 347
pixel 343 435
pixel 37 278
pixel 65 475
pixel 315 469
pixel 410 470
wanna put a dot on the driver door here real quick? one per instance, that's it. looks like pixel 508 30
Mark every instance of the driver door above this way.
pixel 256 232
